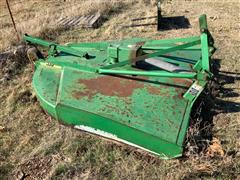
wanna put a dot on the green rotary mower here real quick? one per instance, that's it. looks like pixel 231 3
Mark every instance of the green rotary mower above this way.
pixel 137 91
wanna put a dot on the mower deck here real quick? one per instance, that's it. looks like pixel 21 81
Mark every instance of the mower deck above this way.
pixel 118 90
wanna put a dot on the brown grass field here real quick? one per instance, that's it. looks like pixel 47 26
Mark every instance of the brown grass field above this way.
pixel 35 146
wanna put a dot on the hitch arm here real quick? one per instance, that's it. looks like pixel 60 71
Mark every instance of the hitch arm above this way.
pixel 57 47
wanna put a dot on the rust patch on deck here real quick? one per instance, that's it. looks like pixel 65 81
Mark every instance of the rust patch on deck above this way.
pixel 107 86
pixel 182 81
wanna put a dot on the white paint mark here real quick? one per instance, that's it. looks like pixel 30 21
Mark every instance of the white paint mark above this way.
pixel 114 137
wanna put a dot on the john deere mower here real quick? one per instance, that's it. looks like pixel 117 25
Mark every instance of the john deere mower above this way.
pixel 137 91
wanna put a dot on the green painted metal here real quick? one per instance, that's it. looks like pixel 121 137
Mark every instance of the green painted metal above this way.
pixel 101 88
pixel 55 46
pixel 168 50
pixel 203 22
pixel 144 73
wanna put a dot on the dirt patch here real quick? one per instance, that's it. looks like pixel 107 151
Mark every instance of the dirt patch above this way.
pixel 37 167
pixel 12 62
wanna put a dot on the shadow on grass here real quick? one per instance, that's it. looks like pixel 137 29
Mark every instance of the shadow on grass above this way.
pixel 166 23
pixel 224 106
pixel 175 22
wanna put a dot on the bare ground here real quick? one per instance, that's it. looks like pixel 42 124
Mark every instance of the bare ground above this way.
pixel 34 146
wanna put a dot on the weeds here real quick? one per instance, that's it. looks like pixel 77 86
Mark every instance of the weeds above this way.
pixel 5 169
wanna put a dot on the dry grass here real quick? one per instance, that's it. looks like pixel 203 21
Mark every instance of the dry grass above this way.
pixel 33 17
pixel 34 145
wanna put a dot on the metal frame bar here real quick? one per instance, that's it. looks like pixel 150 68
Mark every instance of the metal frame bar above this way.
pixel 205 53
pixel 189 42
pixel 108 70
pixel 58 47
pixel 147 73
pixel 164 51
pixel 169 41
